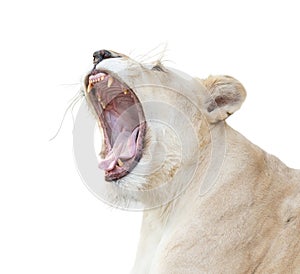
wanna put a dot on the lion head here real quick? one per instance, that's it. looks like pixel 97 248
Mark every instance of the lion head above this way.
pixel 156 123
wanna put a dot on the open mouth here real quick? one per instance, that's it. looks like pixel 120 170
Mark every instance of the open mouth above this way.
pixel 122 120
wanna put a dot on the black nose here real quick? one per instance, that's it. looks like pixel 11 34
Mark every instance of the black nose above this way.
pixel 103 54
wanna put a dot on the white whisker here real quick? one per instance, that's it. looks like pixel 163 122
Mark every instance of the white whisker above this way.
pixel 152 54
pixel 79 95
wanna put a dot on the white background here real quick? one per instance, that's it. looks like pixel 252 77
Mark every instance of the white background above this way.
pixel 50 222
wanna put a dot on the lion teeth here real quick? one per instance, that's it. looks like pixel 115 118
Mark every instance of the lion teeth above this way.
pixel 120 163
pixel 103 105
pixel 109 82
pixel 89 88
pixel 125 91
pixel 102 78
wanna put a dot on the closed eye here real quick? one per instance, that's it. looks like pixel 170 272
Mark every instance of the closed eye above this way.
pixel 158 67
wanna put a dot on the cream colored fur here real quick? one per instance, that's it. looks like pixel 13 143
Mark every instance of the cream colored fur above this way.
pixel 239 211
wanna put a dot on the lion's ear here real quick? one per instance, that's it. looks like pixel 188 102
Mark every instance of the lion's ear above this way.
pixel 225 96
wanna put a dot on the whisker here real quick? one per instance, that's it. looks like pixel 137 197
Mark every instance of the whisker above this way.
pixel 150 51
pixel 78 94
pixel 72 109
pixel 147 56
pixel 164 61
pixel 73 102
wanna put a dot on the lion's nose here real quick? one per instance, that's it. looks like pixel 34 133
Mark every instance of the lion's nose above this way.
pixel 103 54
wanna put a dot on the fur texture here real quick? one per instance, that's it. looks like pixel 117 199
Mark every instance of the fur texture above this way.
pixel 214 202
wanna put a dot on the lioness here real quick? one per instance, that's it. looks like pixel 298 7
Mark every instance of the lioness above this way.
pixel 213 201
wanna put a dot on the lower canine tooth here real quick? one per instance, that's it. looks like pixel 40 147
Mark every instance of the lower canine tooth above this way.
pixel 103 105
pixel 102 77
pixel 109 82
pixel 120 163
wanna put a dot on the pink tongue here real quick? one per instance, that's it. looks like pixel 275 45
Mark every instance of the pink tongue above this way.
pixel 124 148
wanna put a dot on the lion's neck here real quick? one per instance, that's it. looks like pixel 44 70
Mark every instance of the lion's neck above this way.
pixel 224 196
pixel 159 223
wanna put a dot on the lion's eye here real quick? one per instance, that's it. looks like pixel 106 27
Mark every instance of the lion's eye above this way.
pixel 158 68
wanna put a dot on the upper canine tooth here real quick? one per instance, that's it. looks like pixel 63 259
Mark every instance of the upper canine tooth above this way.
pixel 125 91
pixel 120 163
pixel 89 88
pixel 109 82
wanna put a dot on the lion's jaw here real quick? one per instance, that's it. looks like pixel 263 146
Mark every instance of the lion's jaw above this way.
pixel 171 102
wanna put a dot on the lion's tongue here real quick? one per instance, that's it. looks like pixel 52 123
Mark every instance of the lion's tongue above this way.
pixel 124 148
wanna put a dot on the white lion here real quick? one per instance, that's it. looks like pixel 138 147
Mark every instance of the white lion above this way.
pixel 214 202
